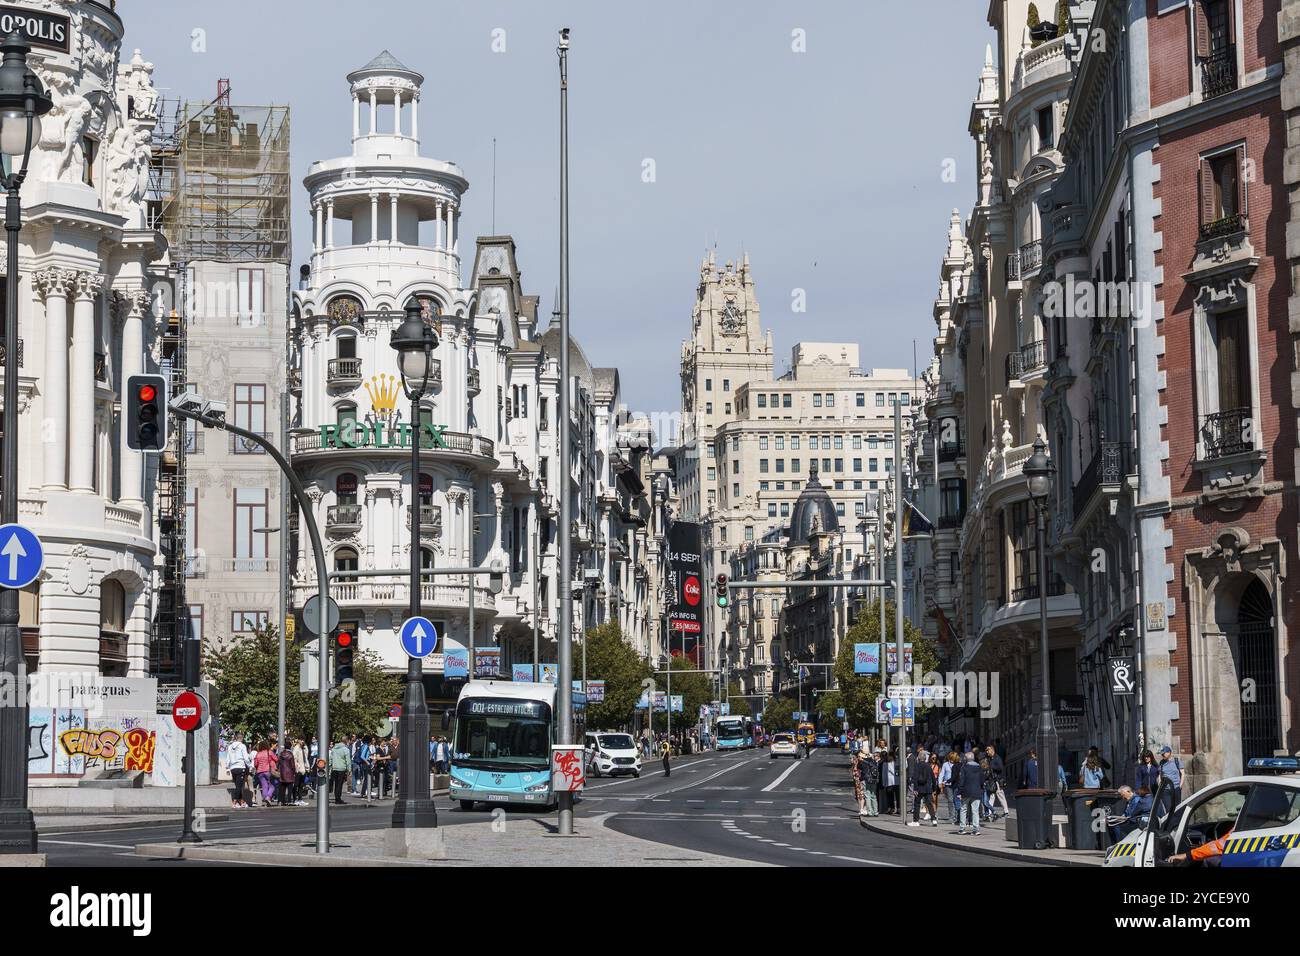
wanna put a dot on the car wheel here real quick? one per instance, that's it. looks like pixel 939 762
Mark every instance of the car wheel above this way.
pixel 636 773
pixel 595 771
pixel 467 805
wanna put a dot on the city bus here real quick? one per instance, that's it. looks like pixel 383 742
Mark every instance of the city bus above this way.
pixel 734 732
pixel 501 752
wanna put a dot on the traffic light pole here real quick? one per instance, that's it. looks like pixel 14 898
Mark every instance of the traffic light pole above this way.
pixel 322 581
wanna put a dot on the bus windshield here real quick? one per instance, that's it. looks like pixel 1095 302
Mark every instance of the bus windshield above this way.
pixel 503 734
pixel 730 730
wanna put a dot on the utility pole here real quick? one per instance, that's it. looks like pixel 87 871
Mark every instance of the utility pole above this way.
pixel 565 648
pixel 901 763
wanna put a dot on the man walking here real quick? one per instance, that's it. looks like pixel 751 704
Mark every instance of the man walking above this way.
pixel 340 761
pixel 970 784
pixel 1171 784
pixel 999 771
pixel 920 779
pixel 869 774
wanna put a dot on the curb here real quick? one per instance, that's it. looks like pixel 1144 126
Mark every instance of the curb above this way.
pixel 221 854
pixel 54 825
pixel 984 849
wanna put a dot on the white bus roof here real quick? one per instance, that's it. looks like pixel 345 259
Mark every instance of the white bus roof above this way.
pixel 734 717
pixel 508 689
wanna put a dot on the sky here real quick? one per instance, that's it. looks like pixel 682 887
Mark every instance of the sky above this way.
pixel 813 136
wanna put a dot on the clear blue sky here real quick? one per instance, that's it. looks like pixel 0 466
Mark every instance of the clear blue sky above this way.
pixel 824 165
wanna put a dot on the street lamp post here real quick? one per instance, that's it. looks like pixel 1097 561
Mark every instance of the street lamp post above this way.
pixel 414 341
pixel 564 651
pixel 22 103
pixel 280 698
pixel 1038 476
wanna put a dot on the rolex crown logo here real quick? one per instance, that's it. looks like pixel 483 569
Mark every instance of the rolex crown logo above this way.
pixel 383 394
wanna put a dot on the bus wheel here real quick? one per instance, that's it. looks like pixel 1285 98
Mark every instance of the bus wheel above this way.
pixel 467 805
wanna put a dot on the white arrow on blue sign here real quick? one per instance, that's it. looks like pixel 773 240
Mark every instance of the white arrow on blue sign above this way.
pixel 419 637
pixel 21 556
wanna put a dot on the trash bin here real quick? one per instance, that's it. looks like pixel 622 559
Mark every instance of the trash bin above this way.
pixel 1033 807
pixel 1086 829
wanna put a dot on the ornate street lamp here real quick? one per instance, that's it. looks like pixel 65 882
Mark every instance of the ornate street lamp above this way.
pixel 1038 476
pixel 414 341
pixel 22 103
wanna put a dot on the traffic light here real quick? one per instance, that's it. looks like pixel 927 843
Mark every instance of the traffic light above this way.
pixel 146 413
pixel 720 589
pixel 344 646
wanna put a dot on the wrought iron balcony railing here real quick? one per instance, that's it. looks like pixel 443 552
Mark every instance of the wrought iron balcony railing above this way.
pixel 1031 257
pixel 1223 226
pixel 952 451
pixel 340 517
pixel 1219 72
pixel 1055 588
pixel 472 381
pixel 1108 467
pixel 1033 357
pixel 1226 433
pixel 242 446
pixel 343 371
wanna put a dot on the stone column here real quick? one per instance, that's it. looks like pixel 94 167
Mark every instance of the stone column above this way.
pixel 392 232
pixel 397 113
pixel 453 233
pixel 374 219
pixel 415 116
pixel 329 224
pixel 132 306
pixel 53 285
pixel 81 410
pixel 318 226
pixel 373 112
pixel 356 116
pixel 137 631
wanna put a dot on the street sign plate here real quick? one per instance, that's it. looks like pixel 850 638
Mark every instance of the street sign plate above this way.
pixel 21 556
pixel 1122 682
pixel 189 711
pixel 311 615
pixel 419 637
pixel 395 711
pixel 919 692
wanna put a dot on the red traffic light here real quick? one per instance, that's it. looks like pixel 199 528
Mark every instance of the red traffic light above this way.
pixel 147 393
pixel 722 580
pixel 344 639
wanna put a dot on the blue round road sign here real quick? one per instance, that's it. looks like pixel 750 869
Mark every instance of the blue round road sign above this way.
pixel 21 556
pixel 419 637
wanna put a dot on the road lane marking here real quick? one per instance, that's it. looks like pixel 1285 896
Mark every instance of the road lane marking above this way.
pixel 712 776
pixel 105 846
pixel 777 782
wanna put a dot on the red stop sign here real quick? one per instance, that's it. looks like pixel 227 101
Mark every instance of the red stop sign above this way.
pixel 189 711
pixel 691 590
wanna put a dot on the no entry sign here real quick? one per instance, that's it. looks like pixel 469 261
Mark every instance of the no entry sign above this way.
pixel 190 711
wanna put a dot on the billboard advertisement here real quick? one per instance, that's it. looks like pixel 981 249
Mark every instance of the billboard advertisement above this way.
pixel 686 585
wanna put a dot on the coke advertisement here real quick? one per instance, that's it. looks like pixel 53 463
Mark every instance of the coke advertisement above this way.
pixel 686 583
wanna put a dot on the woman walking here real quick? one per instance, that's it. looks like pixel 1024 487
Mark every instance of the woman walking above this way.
pixel 262 762
pixel 1091 774
pixel 1147 773
pixel 238 762
pixel 667 753
pixel 288 775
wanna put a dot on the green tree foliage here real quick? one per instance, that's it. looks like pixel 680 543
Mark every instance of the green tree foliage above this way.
pixel 1033 21
pixel 1062 18
pixel 827 705
pixel 858 692
pixel 739 705
pixel 245 674
pixel 778 715
pixel 612 659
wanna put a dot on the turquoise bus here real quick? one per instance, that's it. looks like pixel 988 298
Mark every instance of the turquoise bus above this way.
pixel 502 742
pixel 734 732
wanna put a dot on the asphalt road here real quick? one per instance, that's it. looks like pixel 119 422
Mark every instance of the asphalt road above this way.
pixel 738 804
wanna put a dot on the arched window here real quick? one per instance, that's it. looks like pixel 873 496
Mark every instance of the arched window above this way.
pixel 345 559
pixel 426 489
pixel 426 559
pixel 345 488
pixel 345 416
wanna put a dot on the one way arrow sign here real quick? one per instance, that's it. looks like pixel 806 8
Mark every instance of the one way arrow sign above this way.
pixel 21 556
pixel 418 636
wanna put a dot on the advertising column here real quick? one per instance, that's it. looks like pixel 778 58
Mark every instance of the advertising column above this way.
pixel 686 590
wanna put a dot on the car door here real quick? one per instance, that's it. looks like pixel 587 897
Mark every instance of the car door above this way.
pixel 1209 816
pixel 1267 830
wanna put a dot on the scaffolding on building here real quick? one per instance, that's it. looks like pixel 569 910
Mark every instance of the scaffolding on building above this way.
pixel 218 191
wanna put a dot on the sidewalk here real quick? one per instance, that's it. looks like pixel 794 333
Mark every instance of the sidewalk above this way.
pixel 531 842
pixel 992 841
pixel 115 800
pixel 87 822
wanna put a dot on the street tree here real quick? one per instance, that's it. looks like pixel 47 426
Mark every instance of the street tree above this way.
pixel 778 715
pixel 612 659
pixel 695 690
pixel 858 692
pixel 246 676
pixel 738 705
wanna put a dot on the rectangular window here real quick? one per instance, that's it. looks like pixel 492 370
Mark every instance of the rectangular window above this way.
pixel 780 443
pixel 251 507
pixel 857 464
pixel 817 399
pixel 785 509
pixel 1045 133
pixel 749 532
pixel 708 384
pixel 726 384
pixel 839 442
pixel 762 466
pixel 904 399
pixel 839 508
pixel 713 474
pixel 861 399
pixel 762 486
pixel 859 509
pixel 762 400
pixel 889 465
pixel 875 464
pixel 780 486
pixel 794 442
pixel 251 289
pixel 857 441
pixel 196 621
pixel 880 399
pixel 728 409
pixel 1232 344
pixel 839 464
pixel 735 466
pixel 762 443
pixel 795 465
pixel 786 401
pixel 830 400
pixel 250 414
pixel 826 464
pixel 771 509
pixel 246 622
pixel 735 493
pixel 708 408
pixel 780 465
pixel 1223 192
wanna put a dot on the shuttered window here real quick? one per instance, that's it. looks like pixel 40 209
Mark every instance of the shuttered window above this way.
pixel 1233 346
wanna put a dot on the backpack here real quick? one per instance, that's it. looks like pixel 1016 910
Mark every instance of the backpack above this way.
pixel 990 780
pixel 869 771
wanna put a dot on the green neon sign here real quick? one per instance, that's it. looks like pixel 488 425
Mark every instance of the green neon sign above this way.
pixel 380 435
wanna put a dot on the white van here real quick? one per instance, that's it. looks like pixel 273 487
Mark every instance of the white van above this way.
pixel 612 753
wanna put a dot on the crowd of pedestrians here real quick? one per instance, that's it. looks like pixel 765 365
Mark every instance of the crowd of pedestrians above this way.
pixel 271 773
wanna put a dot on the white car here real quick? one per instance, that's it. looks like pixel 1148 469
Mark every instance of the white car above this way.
pixel 1259 814
pixel 783 745
pixel 612 754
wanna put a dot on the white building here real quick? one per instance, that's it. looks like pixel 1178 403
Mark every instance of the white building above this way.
pixel 386 234
pixel 85 324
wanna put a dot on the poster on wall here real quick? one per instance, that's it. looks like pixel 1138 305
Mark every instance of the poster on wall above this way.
pixel 550 673
pixel 455 659
pixel 521 672
pixel 487 663
pixel 686 586
pixel 595 691
pixel 866 658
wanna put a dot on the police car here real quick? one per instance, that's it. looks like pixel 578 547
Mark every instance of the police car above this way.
pixel 1258 813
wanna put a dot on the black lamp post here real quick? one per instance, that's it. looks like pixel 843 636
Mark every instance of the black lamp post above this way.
pixel 414 341
pixel 22 103
pixel 1038 476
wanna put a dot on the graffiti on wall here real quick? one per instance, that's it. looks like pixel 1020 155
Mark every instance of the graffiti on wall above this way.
pixel 111 748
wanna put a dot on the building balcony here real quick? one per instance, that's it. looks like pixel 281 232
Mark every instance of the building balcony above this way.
pixel 194 441
pixel 1031 258
pixel 1224 227
pixel 470 448
pixel 1030 592
pixel 343 519
pixel 101 368
pixel 430 521
pixel 1224 433
pixel 951 452
pixel 1219 73
pixel 343 373
pixel 1013 267
pixel 472 382
pixel 242 446
pixel 248 565
pixel 2 353
pixel 1104 473
pixel 1033 358
pixel 949 522
pixel 436 597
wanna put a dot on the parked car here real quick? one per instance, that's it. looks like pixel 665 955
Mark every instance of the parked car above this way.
pixel 612 753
